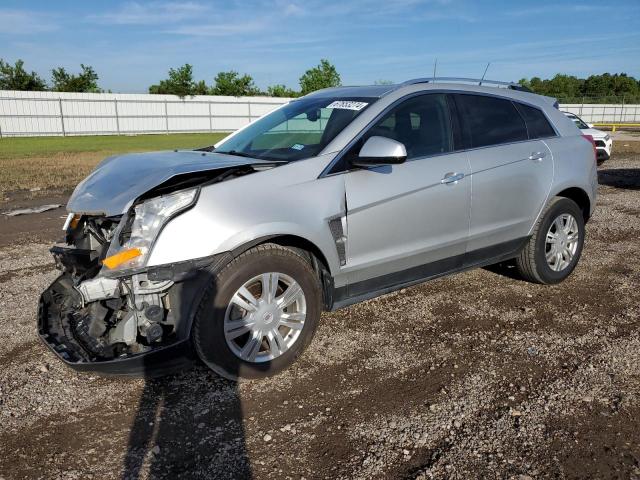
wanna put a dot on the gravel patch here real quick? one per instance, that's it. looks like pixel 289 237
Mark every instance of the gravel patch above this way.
pixel 470 376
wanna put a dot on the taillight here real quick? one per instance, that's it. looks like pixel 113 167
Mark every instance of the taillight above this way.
pixel 590 139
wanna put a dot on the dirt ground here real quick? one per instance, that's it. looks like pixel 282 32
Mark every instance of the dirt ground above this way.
pixel 35 167
pixel 478 375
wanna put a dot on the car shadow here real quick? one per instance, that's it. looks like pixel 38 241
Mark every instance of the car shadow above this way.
pixel 626 178
pixel 506 269
pixel 188 425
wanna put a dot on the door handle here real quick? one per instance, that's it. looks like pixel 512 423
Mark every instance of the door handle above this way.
pixel 452 178
pixel 537 156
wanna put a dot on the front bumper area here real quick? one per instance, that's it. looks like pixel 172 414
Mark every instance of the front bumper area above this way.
pixel 602 154
pixel 62 327
pixel 603 149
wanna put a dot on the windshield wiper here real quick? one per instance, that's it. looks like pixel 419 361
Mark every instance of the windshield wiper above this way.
pixel 246 155
pixel 237 154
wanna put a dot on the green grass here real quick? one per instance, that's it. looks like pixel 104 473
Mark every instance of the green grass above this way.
pixel 56 164
pixel 42 146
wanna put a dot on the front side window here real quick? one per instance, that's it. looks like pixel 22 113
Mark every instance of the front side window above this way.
pixel 298 130
pixel 421 123
pixel 489 120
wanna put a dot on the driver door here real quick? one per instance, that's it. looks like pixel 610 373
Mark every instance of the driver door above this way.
pixel 409 221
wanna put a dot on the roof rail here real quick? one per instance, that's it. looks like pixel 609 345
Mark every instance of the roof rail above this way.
pixel 479 81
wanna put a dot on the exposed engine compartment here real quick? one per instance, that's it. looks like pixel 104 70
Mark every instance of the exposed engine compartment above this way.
pixel 90 314
pixel 107 317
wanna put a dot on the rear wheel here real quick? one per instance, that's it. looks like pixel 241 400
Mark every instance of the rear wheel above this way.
pixel 555 247
pixel 259 313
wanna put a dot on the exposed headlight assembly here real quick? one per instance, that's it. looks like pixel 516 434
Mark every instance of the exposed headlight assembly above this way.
pixel 148 219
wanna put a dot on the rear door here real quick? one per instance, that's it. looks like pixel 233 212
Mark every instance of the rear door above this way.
pixel 408 221
pixel 511 173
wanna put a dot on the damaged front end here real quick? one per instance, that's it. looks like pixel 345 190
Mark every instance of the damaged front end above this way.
pixel 111 311
pixel 122 322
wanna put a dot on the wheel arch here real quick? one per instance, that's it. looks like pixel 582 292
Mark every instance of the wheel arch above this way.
pixel 315 255
pixel 581 198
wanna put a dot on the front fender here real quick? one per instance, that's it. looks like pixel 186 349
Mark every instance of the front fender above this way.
pixel 177 245
pixel 287 200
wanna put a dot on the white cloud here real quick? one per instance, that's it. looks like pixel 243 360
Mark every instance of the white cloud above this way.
pixel 24 22
pixel 187 18
pixel 289 8
pixel 154 13
pixel 350 15
pixel 360 8
pixel 552 9
pixel 218 29
pixel 198 19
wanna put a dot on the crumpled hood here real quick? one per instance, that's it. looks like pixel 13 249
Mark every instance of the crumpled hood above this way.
pixel 117 181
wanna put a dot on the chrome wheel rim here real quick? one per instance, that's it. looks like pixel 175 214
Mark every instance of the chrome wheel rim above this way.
pixel 265 317
pixel 562 242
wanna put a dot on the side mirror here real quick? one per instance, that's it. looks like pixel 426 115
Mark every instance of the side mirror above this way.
pixel 590 125
pixel 380 151
pixel 313 115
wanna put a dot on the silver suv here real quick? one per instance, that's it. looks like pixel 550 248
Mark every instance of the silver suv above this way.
pixel 230 253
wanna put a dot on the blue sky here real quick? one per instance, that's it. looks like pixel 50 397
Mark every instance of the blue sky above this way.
pixel 132 44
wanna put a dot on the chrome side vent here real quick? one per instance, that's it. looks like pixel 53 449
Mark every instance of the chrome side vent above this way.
pixel 337 232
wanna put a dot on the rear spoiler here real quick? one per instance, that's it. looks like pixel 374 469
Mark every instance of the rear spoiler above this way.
pixel 553 101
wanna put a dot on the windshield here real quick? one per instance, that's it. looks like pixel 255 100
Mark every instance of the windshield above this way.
pixel 579 123
pixel 300 129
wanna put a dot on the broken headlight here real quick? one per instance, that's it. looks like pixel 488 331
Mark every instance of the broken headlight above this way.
pixel 148 219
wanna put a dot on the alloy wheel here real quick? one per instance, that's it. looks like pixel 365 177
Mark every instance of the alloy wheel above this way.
pixel 561 242
pixel 265 317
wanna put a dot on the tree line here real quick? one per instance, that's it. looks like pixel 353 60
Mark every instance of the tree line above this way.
pixel 605 88
pixel 181 82
pixel 15 77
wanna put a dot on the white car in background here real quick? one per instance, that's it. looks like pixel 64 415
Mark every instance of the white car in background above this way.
pixel 603 140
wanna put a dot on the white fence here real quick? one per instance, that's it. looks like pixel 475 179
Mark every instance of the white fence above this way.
pixel 55 113
pixel 604 113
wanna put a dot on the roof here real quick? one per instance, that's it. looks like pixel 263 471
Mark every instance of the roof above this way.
pixel 375 91
pixel 508 89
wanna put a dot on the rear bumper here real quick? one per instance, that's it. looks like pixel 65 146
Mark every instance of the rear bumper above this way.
pixel 59 332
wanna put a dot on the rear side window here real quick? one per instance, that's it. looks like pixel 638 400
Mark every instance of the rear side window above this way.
pixel 489 120
pixel 537 124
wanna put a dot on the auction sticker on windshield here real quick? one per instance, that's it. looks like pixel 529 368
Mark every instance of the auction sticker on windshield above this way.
pixel 347 105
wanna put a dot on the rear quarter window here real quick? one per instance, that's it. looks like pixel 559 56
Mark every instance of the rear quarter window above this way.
pixel 490 121
pixel 537 124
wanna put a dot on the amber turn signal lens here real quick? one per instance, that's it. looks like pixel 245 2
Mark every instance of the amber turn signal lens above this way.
pixel 119 258
pixel 74 221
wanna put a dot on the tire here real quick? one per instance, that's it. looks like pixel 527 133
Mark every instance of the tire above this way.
pixel 214 316
pixel 532 261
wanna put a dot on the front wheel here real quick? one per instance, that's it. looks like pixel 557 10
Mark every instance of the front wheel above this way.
pixel 259 313
pixel 555 247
